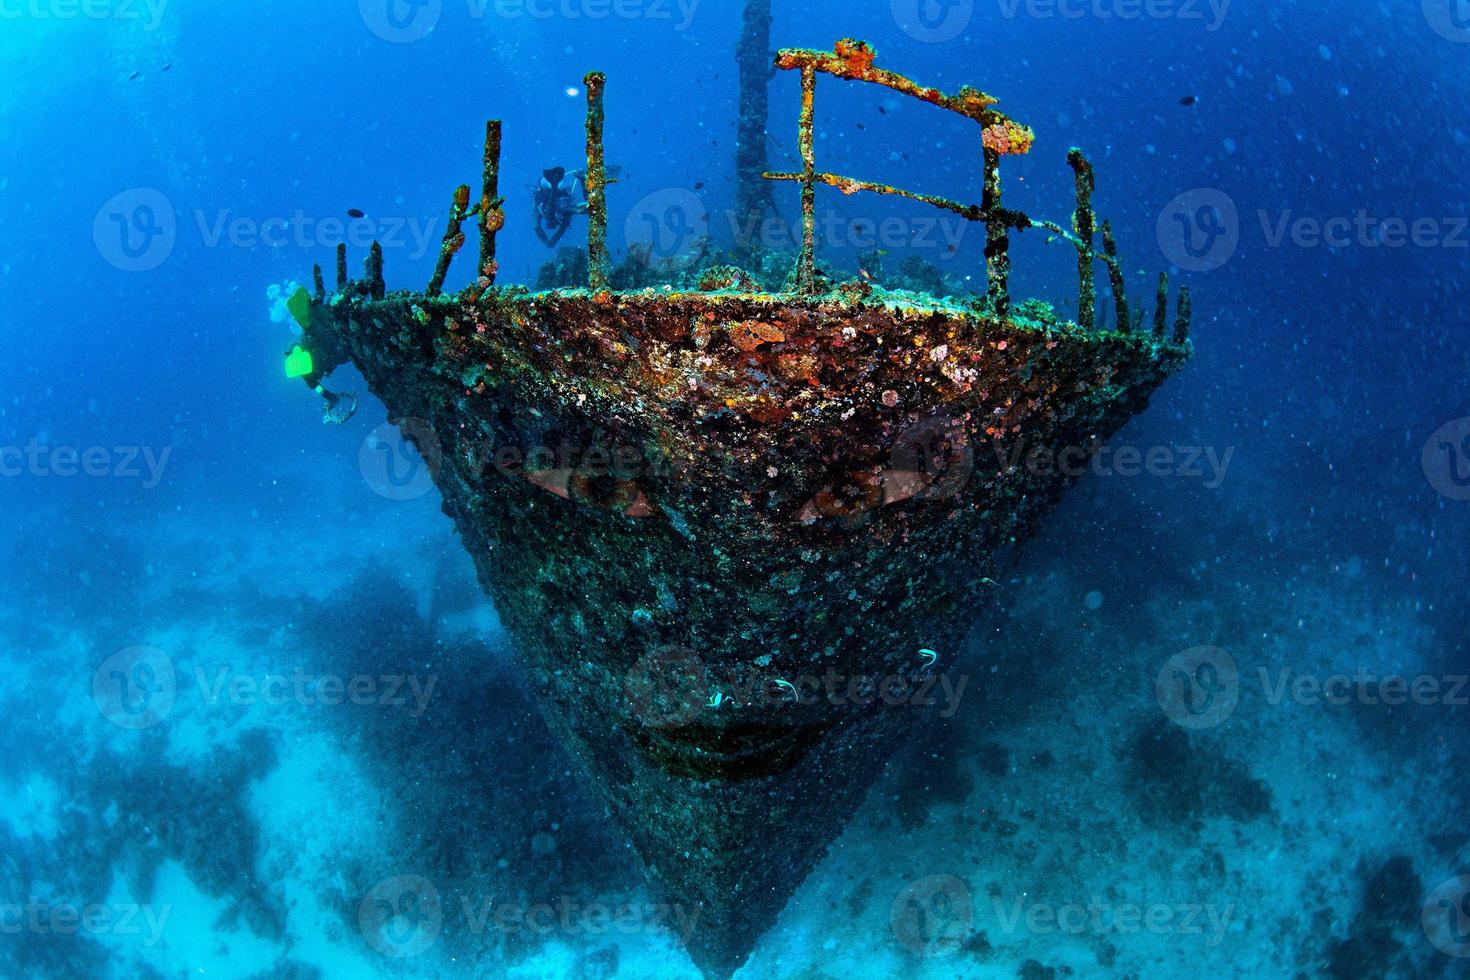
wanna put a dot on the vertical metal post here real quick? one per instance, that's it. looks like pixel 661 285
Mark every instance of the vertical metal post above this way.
pixel 1161 307
pixel 997 239
pixel 807 272
pixel 1181 323
pixel 753 202
pixel 341 266
pixel 597 266
pixel 453 238
pixel 1115 278
pixel 377 288
pixel 492 218
pixel 1084 223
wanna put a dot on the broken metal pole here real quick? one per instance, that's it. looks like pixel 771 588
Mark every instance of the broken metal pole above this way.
pixel 453 238
pixel 597 264
pixel 1181 323
pixel 492 214
pixel 1161 306
pixel 341 266
pixel 318 283
pixel 1084 223
pixel 377 288
pixel 1115 277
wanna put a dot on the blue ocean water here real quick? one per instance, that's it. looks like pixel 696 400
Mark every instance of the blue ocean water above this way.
pixel 325 715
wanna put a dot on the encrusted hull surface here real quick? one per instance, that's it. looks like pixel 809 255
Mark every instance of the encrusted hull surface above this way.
pixel 737 539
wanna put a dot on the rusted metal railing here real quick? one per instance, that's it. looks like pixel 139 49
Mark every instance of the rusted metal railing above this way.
pixel 1000 136
pixel 853 60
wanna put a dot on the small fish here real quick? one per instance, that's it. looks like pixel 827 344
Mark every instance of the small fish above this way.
pixel 134 76
pixel 861 126
pixel 355 213
pixel 699 186
pixel 167 67
pixel 883 110
pixel 1188 100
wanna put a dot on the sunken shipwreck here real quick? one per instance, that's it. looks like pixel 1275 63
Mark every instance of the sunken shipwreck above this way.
pixel 765 485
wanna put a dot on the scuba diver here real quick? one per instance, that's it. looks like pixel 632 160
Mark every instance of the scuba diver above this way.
pixel 561 196
pixel 556 203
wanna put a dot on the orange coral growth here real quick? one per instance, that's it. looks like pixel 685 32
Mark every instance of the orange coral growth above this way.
pixel 1008 138
pixel 857 56
pixel 750 334
pixel 494 219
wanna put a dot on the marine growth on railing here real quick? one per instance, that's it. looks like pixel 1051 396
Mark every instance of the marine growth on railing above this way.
pixel 1000 136
pixel 853 61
